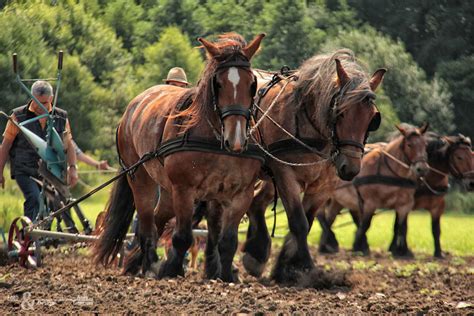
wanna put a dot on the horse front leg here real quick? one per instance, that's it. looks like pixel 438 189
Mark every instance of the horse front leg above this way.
pixel 360 241
pixel 183 202
pixel 401 247
pixel 294 258
pixel 228 241
pixel 213 267
pixel 435 226
pixel 257 247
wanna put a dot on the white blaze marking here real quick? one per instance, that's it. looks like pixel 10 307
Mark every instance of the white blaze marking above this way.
pixel 234 77
pixel 237 132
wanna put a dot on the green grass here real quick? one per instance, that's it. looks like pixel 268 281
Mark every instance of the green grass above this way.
pixel 457 235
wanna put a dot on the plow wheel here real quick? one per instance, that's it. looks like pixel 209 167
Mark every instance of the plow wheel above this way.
pixel 21 246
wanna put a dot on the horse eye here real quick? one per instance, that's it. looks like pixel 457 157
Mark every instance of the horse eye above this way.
pixel 409 145
pixel 458 157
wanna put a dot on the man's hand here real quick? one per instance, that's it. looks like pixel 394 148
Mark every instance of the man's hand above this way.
pixel 103 165
pixel 2 180
pixel 72 175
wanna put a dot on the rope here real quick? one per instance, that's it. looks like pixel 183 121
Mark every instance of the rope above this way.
pixel 395 159
pixel 435 192
pixel 291 164
pixel 97 171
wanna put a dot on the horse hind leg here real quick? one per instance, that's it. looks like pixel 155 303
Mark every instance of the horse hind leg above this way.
pixel 145 192
pixel 257 246
pixel 326 216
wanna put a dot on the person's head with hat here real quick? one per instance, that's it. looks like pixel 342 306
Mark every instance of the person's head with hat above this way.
pixel 177 77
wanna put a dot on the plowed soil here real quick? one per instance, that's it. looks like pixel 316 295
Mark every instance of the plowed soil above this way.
pixel 69 282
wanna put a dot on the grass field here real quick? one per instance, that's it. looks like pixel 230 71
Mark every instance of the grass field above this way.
pixel 457 230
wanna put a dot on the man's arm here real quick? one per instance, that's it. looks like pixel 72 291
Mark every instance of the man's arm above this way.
pixel 8 138
pixel 4 150
pixel 70 157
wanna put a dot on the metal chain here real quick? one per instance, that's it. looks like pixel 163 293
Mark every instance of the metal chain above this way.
pixel 435 192
pixel 254 128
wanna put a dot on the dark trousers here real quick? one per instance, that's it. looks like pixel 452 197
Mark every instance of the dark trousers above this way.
pixel 31 192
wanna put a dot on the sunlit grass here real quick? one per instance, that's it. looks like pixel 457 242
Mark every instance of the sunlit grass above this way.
pixel 457 235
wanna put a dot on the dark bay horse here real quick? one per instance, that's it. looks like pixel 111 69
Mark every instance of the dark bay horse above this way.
pixel 387 180
pixel 328 105
pixel 447 156
pixel 203 155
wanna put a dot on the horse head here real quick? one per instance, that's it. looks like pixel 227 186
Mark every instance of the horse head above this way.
pixel 232 86
pixel 413 147
pixel 353 116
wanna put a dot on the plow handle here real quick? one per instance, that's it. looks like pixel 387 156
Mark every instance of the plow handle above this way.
pixel 60 60
pixel 15 63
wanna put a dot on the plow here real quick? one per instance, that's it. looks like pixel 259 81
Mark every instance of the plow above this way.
pixel 27 237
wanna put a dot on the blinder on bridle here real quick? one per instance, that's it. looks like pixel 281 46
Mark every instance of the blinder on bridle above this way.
pixel 238 61
pixel 338 143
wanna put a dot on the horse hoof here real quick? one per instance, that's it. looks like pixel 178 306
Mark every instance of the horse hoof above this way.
pixel 438 255
pixel 327 249
pixel 253 266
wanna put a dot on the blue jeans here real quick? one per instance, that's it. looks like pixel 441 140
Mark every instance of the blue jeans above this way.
pixel 31 193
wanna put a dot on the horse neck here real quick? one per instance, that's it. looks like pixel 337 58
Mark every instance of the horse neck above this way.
pixel 394 148
pixel 440 164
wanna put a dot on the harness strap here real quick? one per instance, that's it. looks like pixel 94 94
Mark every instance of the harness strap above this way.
pixel 387 180
pixel 186 143
pixel 290 145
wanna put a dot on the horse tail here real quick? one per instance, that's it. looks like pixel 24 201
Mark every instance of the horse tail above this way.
pixel 119 215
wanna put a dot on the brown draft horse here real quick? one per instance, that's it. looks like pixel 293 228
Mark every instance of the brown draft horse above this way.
pixel 387 180
pixel 191 164
pixel 329 107
pixel 448 155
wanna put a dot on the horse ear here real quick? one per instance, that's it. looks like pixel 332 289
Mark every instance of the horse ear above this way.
pixel 252 48
pixel 401 129
pixel 424 128
pixel 341 74
pixel 209 46
pixel 377 78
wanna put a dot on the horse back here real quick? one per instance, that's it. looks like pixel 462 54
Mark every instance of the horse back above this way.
pixel 143 123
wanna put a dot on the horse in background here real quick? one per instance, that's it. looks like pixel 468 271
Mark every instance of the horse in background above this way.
pixel 327 106
pixel 388 179
pixel 203 155
pixel 447 156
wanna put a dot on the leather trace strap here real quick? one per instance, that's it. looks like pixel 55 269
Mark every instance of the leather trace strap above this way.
pixel 201 144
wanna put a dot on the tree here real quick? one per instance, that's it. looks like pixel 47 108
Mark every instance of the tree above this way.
pixel 459 75
pixel 172 50
pixel 291 37
pixel 415 98
pixel 127 19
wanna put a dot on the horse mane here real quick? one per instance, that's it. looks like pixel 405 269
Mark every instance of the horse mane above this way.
pixel 318 83
pixel 230 46
pixel 436 147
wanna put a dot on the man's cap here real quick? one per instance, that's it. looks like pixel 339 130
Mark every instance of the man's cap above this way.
pixel 176 74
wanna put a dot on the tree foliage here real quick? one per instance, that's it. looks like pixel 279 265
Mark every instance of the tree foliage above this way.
pixel 415 99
